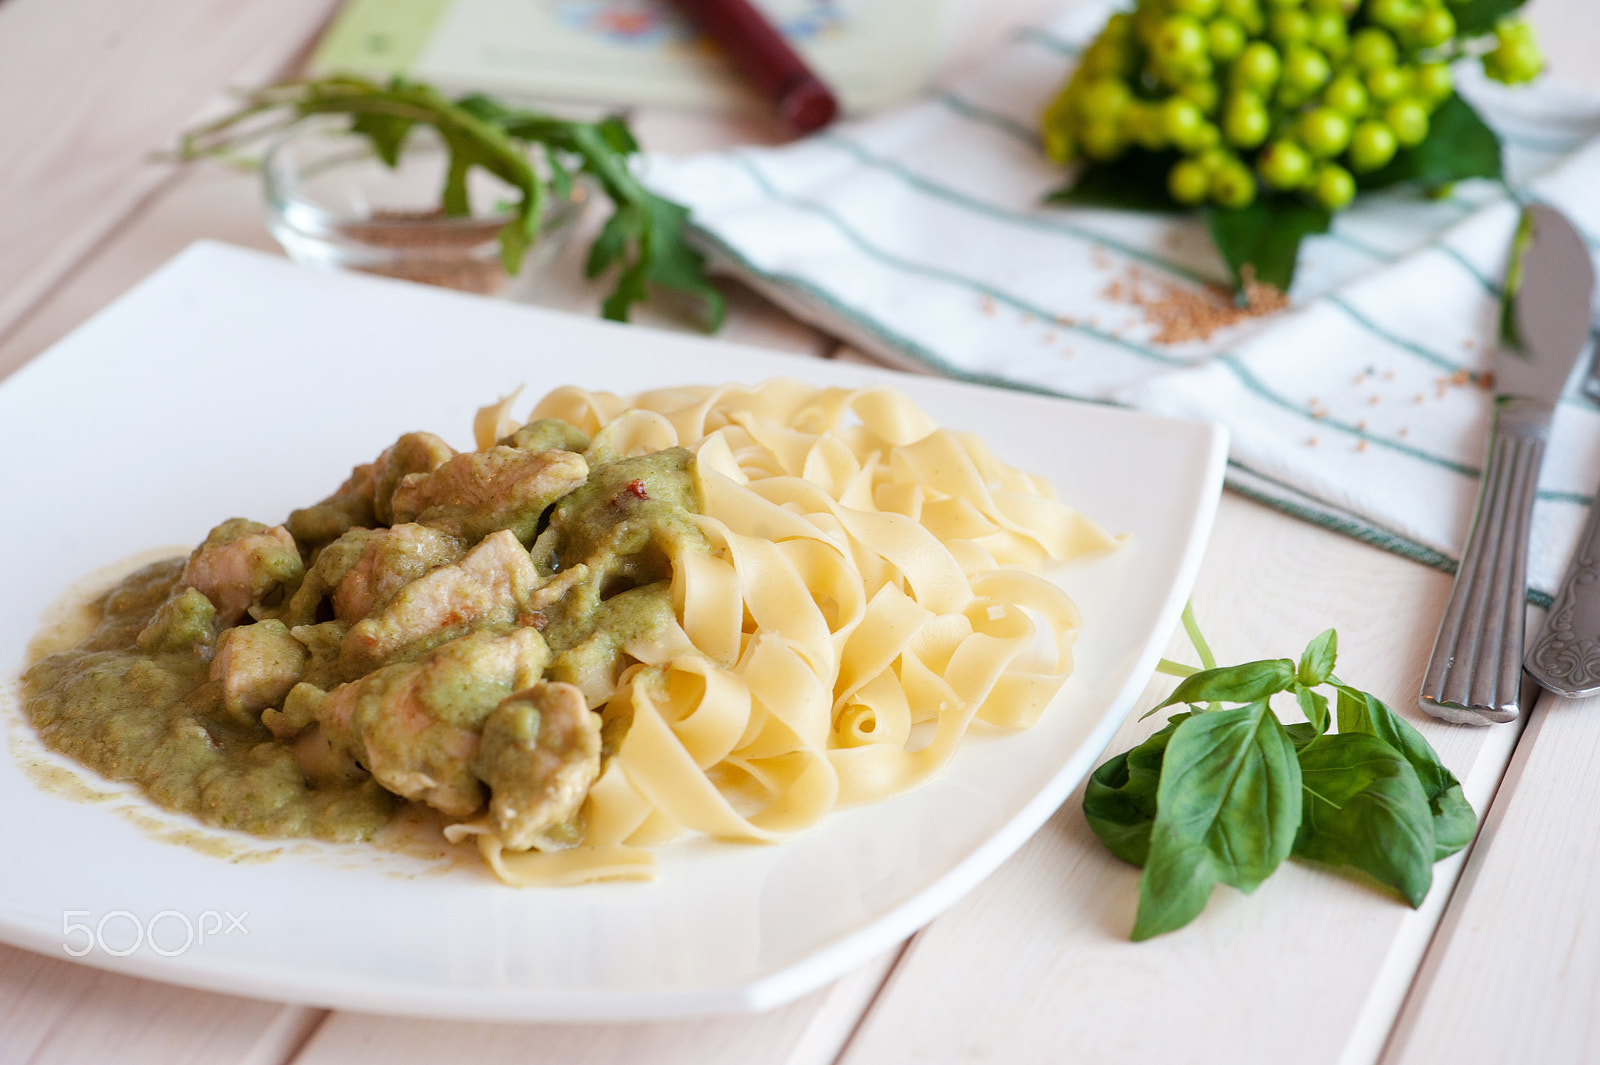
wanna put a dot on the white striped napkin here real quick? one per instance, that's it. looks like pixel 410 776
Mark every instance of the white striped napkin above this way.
pixel 920 236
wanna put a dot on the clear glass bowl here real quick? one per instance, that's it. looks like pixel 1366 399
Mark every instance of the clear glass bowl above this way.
pixel 333 203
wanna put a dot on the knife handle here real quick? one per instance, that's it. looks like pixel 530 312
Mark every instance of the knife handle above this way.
pixel 1475 671
pixel 1565 658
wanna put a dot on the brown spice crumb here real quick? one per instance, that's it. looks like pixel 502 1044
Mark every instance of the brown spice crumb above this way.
pixel 1403 431
pixel 1388 375
pixel 1418 398
pixel 1066 320
pixel 1460 377
pixel 1050 337
pixel 1374 399
pixel 1359 379
pixel 1067 353
pixel 1181 315
pixel 986 305
pixel 1027 319
pixel 1319 413
pixel 1361 445
pixel 1486 382
pixel 1361 426
pixel 1311 441
pixel 1469 343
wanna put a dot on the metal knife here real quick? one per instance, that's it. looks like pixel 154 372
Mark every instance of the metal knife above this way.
pixel 1475 672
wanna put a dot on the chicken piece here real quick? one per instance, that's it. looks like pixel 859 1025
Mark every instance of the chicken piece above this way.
pixel 390 560
pixel 350 507
pixel 413 453
pixel 493 584
pixel 330 566
pixel 240 563
pixel 257 665
pixel 479 492
pixel 415 725
pixel 539 753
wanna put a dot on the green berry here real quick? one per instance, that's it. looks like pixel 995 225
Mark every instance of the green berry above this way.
pixel 1181 42
pixel 1399 15
pixel 1288 27
pixel 1103 98
pixel 1329 33
pixel 1257 67
pixel 1214 159
pixel 1203 94
pixel 1189 182
pixel 1387 83
pixel 1246 13
pixel 1372 145
pixel 1285 5
pixel 1346 94
pixel 1305 70
pixel 1373 49
pixel 1284 165
pixel 1435 83
pixel 1207 137
pixel 1182 122
pixel 1435 27
pixel 1101 140
pixel 1516 57
pixel 1333 187
pixel 1109 58
pixel 1244 121
pixel 1142 123
pixel 1409 120
pixel 1324 131
pixel 1226 38
pixel 1200 9
pixel 1233 185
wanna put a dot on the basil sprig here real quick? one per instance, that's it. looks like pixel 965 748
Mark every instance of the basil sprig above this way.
pixel 643 237
pixel 1224 793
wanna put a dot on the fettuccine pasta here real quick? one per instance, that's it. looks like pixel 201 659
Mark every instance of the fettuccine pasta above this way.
pixel 871 589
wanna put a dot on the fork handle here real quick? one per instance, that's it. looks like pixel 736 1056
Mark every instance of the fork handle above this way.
pixel 1475 673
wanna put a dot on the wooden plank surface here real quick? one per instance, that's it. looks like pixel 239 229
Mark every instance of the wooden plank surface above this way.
pixel 92 88
pixel 1311 968
pixel 1515 972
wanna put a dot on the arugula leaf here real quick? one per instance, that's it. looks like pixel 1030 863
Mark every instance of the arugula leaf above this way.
pixel 1265 236
pixel 1476 17
pixel 1119 800
pixel 1454 823
pixel 1228 809
pixel 1238 684
pixel 1459 145
pixel 1364 808
pixel 645 233
pixel 1135 181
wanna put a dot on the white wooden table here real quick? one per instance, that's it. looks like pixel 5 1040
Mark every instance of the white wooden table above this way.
pixel 1501 963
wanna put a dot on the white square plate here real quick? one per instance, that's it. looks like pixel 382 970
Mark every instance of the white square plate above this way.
pixel 232 383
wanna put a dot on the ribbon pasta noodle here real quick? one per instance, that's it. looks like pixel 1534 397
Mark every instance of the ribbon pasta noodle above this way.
pixel 870 591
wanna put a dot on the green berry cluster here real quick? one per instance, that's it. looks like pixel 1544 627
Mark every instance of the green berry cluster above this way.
pixel 1285 95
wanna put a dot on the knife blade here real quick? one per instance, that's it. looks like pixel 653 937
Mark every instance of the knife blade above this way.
pixel 1475 671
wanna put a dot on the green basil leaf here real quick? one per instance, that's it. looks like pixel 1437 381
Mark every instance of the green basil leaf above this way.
pixel 1315 706
pixel 1454 823
pixel 1227 810
pixel 1119 800
pixel 1265 236
pixel 1234 684
pixel 1316 662
pixel 1135 181
pixel 1301 733
pixel 1475 17
pixel 1364 808
pixel 1459 145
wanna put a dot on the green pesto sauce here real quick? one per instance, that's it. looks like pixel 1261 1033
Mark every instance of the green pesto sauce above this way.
pixel 134 700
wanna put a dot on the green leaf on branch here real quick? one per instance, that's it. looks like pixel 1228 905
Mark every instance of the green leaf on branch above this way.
pixel 1119 800
pixel 1316 661
pixel 1265 237
pixel 1364 808
pixel 1475 17
pixel 1228 809
pixel 1315 706
pixel 1136 181
pixel 644 237
pixel 1235 684
pixel 1459 145
pixel 1454 823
